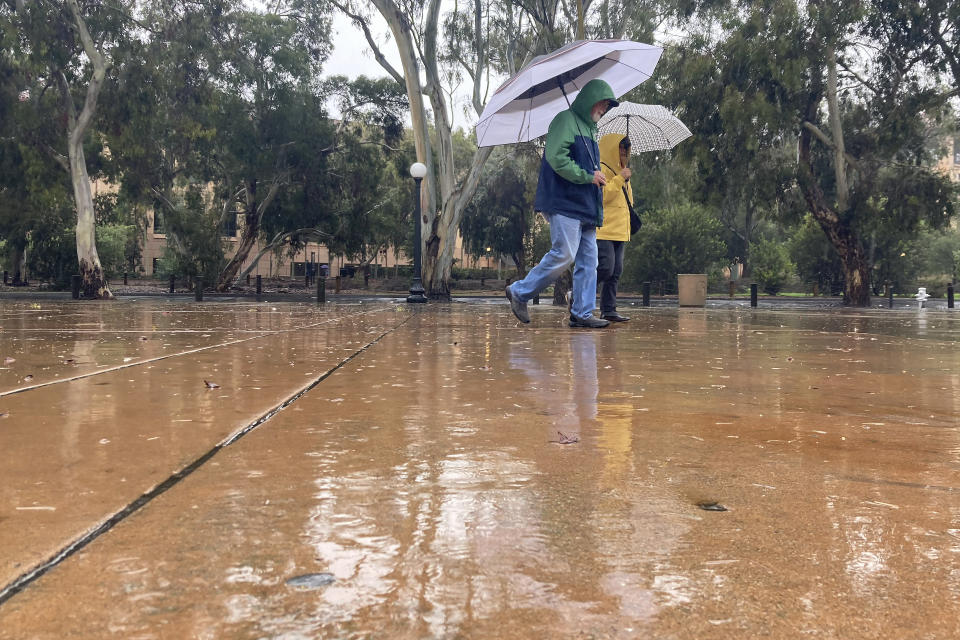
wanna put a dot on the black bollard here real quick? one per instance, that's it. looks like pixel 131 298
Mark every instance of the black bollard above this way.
pixel 75 282
pixel 198 290
pixel 753 294
pixel 6 277
pixel 890 296
pixel 248 279
pixel 259 286
pixel 733 290
pixel 306 280
pixel 536 299
pixel 321 290
pixel 173 280
pixel 124 278
pixel 337 288
pixel 646 294
pixel 950 296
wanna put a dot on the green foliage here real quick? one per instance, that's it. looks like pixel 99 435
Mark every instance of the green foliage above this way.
pixel 500 216
pixel 116 243
pixel 815 259
pixel 52 253
pixel 941 251
pixel 683 238
pixel 770 265
pixel 194 245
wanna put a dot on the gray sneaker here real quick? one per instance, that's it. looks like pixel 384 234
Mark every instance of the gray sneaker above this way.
pixel 519 308
pixel 589 322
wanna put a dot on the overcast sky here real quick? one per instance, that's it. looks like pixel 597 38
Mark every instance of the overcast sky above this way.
pixel 352 57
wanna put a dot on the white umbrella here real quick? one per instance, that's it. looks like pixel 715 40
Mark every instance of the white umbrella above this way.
pixel 522 108
pixel 650 127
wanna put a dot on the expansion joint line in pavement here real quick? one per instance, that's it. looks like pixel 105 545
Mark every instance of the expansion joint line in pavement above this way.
pixel 25 579
pixel 174 355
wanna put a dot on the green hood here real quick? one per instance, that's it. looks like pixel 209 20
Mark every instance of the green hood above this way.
pixel 592 93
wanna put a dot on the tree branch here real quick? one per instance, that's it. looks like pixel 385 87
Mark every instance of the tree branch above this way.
pixel 858 77
pixel 360 22
pixel 279 239
pixel 825 139
pixel 59 157
pixel 100 67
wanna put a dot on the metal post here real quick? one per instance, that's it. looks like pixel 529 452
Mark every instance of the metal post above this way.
pixel 198 290
pixel 753 294
pixel 536 299
pixel 890 295
pixel 336 288
pixel 172 282
pixel 416 287
pixel 124 278
pixel 733 290
pixel 950 296
pixel 75 282
pixel 259 285
pixel 321 290
pixel 248 279
pixel 646 294
pixel 6 277
pixel 306 276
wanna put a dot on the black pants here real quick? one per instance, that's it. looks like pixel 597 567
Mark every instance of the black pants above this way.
pixel 609 268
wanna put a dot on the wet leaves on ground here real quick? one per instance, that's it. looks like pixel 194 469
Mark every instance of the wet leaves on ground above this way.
pixel 565 439
pixel 707 505
pixel 311 580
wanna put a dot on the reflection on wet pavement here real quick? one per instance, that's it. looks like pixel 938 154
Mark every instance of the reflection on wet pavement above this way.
pixel 73 454
pixel 421 477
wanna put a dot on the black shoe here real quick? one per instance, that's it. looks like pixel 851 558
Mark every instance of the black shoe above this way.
pixel 614 317
pixel 588 323
pixel 519 308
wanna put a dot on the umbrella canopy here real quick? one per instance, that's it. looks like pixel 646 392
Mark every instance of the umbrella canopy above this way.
pixel 522 108
pixel 650 127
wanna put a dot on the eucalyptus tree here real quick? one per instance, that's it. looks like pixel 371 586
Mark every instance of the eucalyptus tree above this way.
pixel 815 106
pixel 65 47
pixel 476 44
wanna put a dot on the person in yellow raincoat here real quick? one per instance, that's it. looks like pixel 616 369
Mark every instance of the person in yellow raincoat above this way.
pixel 613 236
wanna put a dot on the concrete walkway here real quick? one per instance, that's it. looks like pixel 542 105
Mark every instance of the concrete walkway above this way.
pixel 408 461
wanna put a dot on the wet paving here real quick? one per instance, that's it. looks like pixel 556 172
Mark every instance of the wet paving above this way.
pixel 444 473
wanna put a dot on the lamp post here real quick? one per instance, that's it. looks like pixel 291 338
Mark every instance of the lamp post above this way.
pixel 417 170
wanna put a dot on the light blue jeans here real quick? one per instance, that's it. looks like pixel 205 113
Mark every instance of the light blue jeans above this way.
pixel 572 244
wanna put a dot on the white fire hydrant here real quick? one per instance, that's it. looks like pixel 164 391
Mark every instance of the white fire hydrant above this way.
pixel 921 295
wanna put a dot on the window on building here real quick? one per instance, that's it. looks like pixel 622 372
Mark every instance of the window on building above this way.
pixel 229 229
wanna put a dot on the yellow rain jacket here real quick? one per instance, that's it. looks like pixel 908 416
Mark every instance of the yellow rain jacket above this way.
pixel 616 215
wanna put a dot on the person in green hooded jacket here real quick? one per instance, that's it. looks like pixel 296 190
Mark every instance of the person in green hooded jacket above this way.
pixel 570 195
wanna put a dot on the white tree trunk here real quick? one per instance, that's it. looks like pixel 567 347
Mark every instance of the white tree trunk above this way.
pixel 440 222
pixel 836 132
pixel 94 282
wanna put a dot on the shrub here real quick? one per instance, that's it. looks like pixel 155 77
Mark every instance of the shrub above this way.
pixel 684 238
pixel 770 265
pixel 115 244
